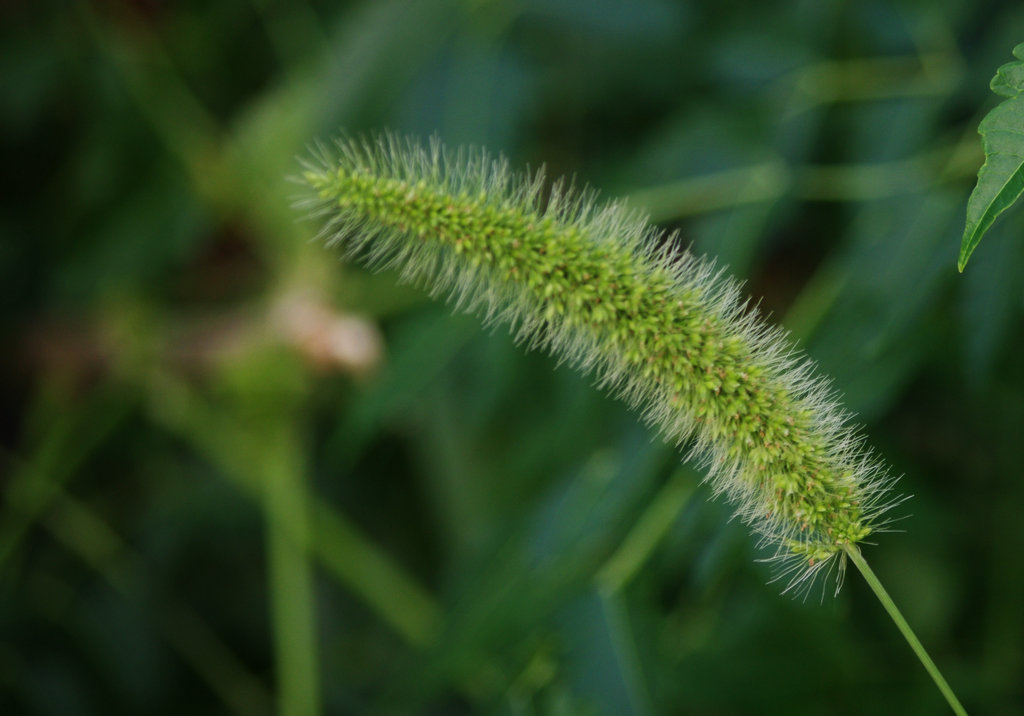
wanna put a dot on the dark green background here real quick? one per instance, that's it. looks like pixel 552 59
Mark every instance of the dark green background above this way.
pixel 198 518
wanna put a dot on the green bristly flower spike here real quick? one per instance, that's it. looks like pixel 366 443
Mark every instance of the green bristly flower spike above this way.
pixel 597 286
pixel 600 288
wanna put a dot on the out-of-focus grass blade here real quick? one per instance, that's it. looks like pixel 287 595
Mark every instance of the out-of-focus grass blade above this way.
pixel 869 335
pixel 84 533
pixel 503 601
pixel 68 439
pixel 991 299
pixel 1001 177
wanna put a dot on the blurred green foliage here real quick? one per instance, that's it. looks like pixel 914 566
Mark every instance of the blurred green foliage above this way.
pixel 241 477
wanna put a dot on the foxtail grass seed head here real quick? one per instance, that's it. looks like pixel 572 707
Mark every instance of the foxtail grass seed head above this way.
pixel 597 286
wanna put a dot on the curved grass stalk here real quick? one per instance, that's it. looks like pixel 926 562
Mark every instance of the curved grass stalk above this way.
pixel 897 617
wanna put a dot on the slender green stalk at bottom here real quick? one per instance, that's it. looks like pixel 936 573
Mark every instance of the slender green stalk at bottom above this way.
pixel 890 606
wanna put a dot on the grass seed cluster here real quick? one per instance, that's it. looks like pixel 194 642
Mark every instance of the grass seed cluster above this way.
pixel 597 286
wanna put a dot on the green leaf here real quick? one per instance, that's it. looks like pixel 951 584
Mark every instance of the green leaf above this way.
pixel 1001 177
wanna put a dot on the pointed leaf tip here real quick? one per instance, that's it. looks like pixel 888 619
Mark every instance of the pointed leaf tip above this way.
pixel 1001 177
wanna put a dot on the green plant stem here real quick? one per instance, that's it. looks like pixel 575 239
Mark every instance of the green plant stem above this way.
pixel 904 627
pixel 290 573
pixel 346 554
